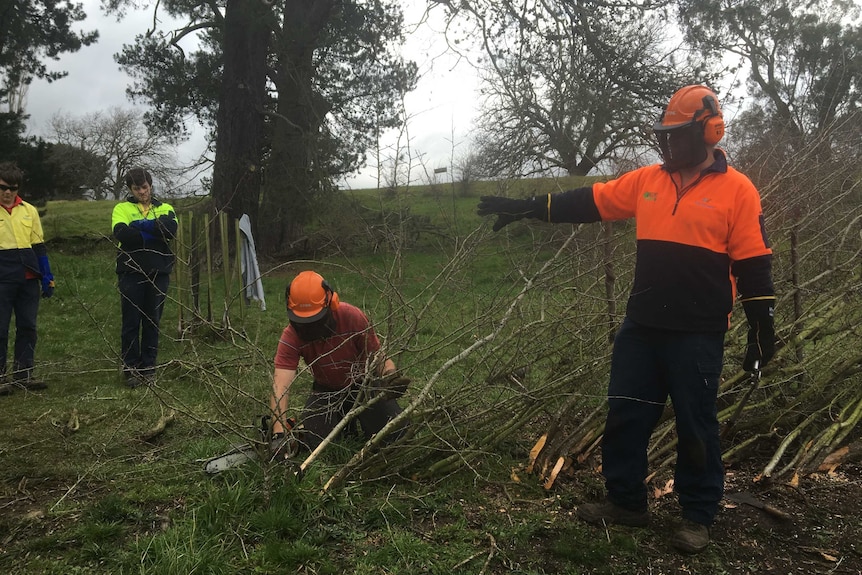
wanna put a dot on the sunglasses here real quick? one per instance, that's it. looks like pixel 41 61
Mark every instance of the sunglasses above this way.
pixel 6 188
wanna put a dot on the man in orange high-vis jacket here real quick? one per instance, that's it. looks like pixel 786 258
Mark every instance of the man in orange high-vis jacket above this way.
pixel 700 238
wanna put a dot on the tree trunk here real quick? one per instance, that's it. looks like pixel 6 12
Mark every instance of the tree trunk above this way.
pixel 291 178
pixel 236 172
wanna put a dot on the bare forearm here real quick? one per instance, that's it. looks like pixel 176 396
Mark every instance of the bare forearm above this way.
pixel 280 399
pixel 388 367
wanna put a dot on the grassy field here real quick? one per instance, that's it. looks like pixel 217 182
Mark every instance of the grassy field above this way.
pixel 86 488
pixel 82 492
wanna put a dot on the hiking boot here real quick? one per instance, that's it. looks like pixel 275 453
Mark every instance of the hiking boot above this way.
pixel 22 378
pixel 6 388
pixel 29 383
pixel 133 381
pixel 33 384
pixel 691 537
pixel 608 513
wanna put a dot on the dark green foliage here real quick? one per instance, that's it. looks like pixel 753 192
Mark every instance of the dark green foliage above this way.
pixel 51 171
pixel 337 82
pixel 12 126
pixel 57 171
pixel 34 31
pixel 175 84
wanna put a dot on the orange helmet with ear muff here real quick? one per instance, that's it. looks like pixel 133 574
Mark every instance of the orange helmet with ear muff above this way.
pixel 693 105
pixel 309 297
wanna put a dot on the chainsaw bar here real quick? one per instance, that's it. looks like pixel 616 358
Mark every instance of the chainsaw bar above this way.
pixel 234 458
pixel 246 452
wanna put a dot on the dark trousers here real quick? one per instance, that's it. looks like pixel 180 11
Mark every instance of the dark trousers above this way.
pixel 142 302
pixel 325 409
pixel 22 299
pixel 647 366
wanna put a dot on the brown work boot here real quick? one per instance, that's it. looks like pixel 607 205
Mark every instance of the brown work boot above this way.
pixel 609 513
pixel 28 382
pixel 691 537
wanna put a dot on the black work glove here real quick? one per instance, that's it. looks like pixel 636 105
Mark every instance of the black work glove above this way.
pixel 47 287
pixel 167 224
pixel 761 332
pixel 393 384
pixel 47 277
pixel 509 210
pixel 283 445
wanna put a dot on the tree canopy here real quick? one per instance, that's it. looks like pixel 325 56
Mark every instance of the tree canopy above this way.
pixel 33 31
pixel 568 86
pixel 120 140
pixel 333 77
pixel 804 58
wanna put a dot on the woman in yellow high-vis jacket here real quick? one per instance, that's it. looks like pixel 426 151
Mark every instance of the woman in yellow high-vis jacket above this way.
pixel 144 227
pixel 25 277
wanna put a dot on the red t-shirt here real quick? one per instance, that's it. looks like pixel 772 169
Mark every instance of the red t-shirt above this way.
pixel 336 361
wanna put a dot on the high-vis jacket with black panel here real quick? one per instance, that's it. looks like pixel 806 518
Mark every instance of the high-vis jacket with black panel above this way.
pixel 691 243
pixel 140 252
pixel 21 242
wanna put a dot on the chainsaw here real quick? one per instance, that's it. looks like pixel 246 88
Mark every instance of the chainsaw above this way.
pixel 257 451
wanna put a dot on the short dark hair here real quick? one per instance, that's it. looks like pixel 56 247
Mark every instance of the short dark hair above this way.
pixel 11 173
pixel 137 177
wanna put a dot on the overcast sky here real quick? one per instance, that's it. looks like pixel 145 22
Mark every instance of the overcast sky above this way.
pixel 440 111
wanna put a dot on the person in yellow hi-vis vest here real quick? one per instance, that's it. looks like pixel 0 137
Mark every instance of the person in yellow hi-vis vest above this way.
pixel 25 277
pixel 144 227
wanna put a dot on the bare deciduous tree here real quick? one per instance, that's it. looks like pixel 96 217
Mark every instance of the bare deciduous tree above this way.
pixel 121 137
pixel 805 76
pixel 568 85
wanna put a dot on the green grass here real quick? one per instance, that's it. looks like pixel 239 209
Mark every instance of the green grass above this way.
pixel 81 492
pixel 77 219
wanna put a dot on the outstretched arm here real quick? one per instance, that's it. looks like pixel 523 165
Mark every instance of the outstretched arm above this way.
pixel 573 206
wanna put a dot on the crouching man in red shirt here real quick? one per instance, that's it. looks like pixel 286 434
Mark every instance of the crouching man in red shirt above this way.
pixel 340 347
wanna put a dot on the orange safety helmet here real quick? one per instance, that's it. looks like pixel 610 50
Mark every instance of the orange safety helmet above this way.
pixel 309 298
pixel 690 106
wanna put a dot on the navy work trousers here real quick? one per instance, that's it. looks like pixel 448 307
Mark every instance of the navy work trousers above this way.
pixel 22 299
pixel 142 302
pixel 649 365
pixel 324 409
